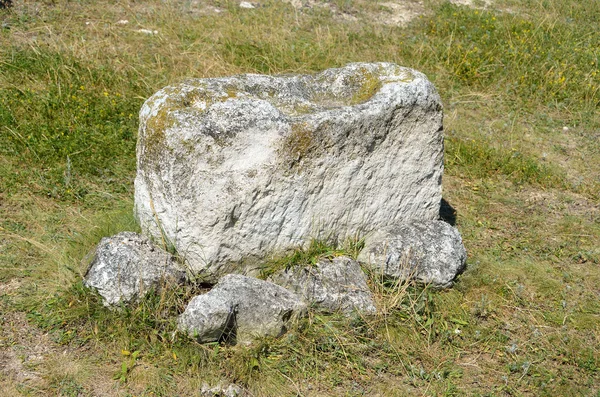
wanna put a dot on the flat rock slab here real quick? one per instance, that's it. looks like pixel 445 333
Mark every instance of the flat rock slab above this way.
pixel 232 169
pixel 430 252
pixel 127 265
pixel 240 309
pixel 337 284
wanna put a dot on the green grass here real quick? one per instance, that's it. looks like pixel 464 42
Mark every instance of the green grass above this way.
pixel 61 114
pixel 316 250
pixel 524 319
pixel 481 160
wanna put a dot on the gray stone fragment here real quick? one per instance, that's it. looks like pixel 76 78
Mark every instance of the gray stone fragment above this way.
pixel 338 284
pixel 430 252
pixel 239 309
pixel 222 390
pixel 209 317
pixel 233 169
pixel 127 265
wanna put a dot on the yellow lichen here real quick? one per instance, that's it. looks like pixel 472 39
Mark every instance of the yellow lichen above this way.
pixel 231 91
pixel 298 144
pixel 369 85
pixel 154 137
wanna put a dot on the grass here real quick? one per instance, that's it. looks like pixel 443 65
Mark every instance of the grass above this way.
pixel 316 250
pixel 481 160
pixel 524 319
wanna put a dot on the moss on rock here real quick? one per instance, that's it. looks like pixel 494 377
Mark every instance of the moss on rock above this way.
pixel 369 86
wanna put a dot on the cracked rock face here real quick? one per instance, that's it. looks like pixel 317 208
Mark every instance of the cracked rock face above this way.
pixel 240 309
pixel 233 169
pixel 127 265
pixel 337 284
pixel 431 252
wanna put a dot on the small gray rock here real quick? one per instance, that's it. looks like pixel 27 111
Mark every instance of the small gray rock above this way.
pixel 128 265
pixel 337 284
pixel 239 309
pixel 222 390
pixel 430 252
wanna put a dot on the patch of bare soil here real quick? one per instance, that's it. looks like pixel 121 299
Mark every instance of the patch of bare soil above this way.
pixel 31 361
pixel 390 13
pixel 472 3
pixel 9 288
pixel 399 13
pixel 562 203
pixel 22 348
pixel 199 8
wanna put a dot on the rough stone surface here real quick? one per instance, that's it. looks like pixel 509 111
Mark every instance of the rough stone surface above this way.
pixel 222 390
pixel 239 309
pixel 430 252
pixel 338 284
pixel 235 168
pixel 128 265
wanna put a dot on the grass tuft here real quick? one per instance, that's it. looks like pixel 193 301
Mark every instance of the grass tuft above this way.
pixel 309 256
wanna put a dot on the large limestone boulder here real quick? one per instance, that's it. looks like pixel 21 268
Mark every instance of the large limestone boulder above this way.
pixel 240 309
pixel 431 252
pixel 337 284
pixel 127 265
pixel 233 169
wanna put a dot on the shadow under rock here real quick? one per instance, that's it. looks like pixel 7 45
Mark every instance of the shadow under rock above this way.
pixel 447 212
pixel 229 335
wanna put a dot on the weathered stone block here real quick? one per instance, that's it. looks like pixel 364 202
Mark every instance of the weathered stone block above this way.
pixel 337 284
pixel 127 265
pixel 431 252
pixel 233 169
pixel 239 309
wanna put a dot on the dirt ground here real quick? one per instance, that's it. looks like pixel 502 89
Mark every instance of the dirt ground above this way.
pixel 390 13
